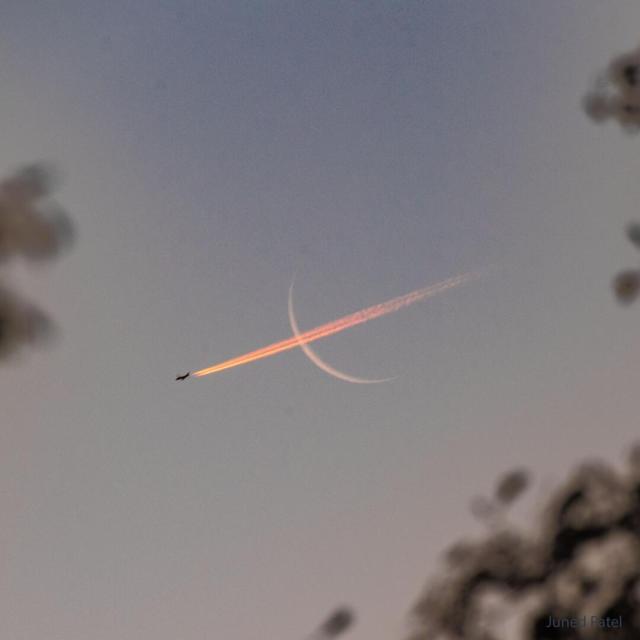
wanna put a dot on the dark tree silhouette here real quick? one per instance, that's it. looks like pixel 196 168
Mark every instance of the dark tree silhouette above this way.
pixel 581 562
pixel 335 625
pixel 35 228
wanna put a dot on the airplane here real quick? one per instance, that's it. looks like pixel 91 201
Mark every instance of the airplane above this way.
pixel 186 375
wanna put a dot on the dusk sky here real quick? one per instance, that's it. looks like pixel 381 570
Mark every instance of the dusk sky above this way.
pixel 209 151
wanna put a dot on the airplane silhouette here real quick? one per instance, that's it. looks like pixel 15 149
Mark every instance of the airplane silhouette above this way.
pixel 186 375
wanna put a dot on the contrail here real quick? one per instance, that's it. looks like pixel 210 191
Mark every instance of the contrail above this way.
pixel 346 322
pixel 317 360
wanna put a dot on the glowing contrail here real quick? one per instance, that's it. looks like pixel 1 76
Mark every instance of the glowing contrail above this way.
pixel 317 360
pixel 341 324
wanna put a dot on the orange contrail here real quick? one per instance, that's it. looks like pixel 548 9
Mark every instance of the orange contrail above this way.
pixel 341 324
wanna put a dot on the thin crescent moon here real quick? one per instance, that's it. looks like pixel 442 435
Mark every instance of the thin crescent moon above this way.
pixel 316 359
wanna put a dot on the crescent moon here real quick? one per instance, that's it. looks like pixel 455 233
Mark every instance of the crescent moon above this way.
pixel 316 359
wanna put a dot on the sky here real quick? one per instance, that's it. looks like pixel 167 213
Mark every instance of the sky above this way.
pixel 209 151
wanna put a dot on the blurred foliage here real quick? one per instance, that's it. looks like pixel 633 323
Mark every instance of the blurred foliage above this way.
pixel 582 559
pixel 35 228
